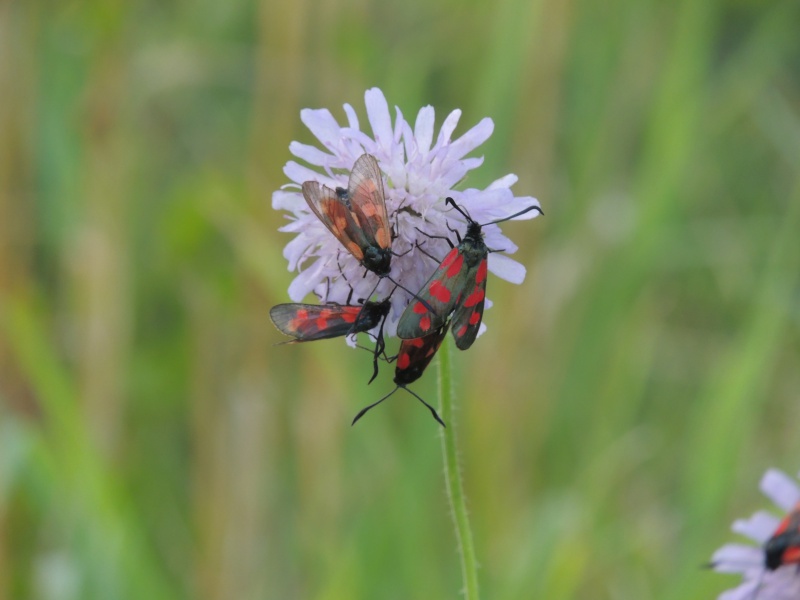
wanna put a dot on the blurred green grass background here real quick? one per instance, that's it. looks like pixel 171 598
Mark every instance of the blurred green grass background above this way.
pixel 155 443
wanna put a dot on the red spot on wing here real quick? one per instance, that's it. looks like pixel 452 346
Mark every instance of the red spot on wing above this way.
pixel 461 331
pixel 302 314
pixel 425 323
pixel 322 323
pixel 475 318
pixel 419 308
pixel 439 291
pixel 455 268
pixel 791 555
pixel 417 342
pixel 481 275
pixel 787 521
pixel 476 296
pixel 349 316
pixel 448 260
pixel 403 361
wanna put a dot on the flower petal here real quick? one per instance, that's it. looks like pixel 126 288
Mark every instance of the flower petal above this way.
pixel 758 527
pixel 423 129
pixel 398 126
pixel 379 118
pixel 506 268
pixel 300 174
pixel 472 139
pixel 504 182
pixel 291 201
pixel 737 558
pixel 352 117
pixel 746 591
pixel 310 154
pixel 321 123
pixel 448 127
pixel 306 281
pixel 780 488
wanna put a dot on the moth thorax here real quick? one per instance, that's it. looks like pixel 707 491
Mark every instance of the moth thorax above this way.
pixel 371 314
pixel 473 232
pixel 378 260
pixel 782 549
pixel 344 197
pixel 409 375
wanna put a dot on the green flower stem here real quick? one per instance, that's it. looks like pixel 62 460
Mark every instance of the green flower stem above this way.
pixel 452 475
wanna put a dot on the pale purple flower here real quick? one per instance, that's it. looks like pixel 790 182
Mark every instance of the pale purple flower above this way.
pixel 420 172
pixel 759 582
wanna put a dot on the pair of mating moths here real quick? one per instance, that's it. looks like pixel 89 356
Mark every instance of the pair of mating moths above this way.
pixel 453 297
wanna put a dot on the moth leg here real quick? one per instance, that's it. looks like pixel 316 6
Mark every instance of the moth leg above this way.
pixel 440 237
pixel 403 253
pixel 428 254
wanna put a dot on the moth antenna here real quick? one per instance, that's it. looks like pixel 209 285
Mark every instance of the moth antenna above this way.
pixel 380 347
pixel 380 344
pixel 286 342
pixel 452 203
pixel 373 405
pixel 430 408
pixel 522 212
pixel 712 564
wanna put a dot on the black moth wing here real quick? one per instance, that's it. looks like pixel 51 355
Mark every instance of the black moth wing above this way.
pixel 416 354
pixel 440 292
pixel 310 322
pixel 468 314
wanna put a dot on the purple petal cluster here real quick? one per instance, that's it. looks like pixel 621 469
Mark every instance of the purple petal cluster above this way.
pixel 421 169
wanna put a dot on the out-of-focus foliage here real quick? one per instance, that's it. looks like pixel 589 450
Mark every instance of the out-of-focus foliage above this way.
pixel 155 443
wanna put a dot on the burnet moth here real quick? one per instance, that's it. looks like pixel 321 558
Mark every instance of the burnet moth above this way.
pixel 310 322
pixel 457 287
pixel 357 216
pixel 412 359
pixel 782 548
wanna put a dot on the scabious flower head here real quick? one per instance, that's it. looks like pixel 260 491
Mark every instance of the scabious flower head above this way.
pixel 759 582
pixel 419 174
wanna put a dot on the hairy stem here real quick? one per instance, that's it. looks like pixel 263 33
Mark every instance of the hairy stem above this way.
pixel 452 475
